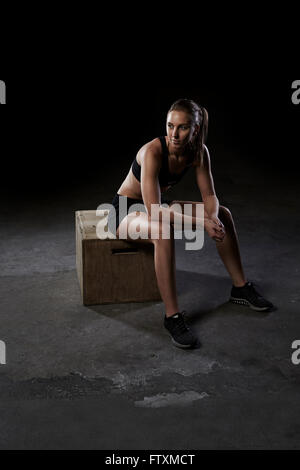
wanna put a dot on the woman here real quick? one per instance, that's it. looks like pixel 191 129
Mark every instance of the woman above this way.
pixel 159 165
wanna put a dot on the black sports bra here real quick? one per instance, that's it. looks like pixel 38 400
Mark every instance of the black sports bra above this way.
pixel 166 178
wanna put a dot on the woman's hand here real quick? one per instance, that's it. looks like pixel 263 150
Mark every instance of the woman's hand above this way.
pixel 215 228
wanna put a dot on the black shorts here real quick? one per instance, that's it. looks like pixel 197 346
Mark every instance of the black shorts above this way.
pixel 130 202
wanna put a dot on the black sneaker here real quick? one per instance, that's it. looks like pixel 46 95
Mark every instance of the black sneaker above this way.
pixel 181 335
pixel 247 295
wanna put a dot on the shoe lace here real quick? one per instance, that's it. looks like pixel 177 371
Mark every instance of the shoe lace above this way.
pixel 180 326
pixel 253 292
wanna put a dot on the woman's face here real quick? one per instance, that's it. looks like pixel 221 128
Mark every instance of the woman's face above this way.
pixel 180 130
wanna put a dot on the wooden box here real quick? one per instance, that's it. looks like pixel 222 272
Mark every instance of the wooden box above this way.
pixel 112 270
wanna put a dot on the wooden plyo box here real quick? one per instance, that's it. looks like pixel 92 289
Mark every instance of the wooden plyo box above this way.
pixel 112 270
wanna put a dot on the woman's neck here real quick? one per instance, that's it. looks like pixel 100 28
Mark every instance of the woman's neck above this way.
pixel 178 154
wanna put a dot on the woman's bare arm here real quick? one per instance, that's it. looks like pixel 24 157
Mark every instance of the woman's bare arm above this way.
pixel 150 167
pixel 206 186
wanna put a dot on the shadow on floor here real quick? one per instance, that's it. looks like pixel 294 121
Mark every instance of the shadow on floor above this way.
pixel 200 295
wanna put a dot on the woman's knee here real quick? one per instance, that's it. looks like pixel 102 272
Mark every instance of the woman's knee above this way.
pixel 146 229
pixel 225 214
pixel 161 231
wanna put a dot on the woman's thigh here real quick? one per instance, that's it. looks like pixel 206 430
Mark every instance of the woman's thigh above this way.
pixel 138 224
pixel 192 203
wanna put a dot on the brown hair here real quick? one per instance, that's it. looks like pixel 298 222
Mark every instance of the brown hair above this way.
pixel 199 117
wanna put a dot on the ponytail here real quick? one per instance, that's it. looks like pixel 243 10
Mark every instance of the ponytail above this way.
pixel 200 140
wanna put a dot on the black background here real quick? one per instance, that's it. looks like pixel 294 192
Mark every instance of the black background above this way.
pixel 61 129
pixel 65 130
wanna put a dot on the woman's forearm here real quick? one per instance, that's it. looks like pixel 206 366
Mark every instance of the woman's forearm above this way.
pixel 211 206
pixel 178 219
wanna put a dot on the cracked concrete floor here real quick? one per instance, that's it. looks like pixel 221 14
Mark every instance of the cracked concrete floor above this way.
pixel 108 377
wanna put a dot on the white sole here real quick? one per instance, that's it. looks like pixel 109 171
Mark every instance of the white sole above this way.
pixel 248 304
pixel 182 346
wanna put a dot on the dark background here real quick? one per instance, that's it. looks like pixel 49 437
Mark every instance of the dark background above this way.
pixel 75 373
pixel 61 130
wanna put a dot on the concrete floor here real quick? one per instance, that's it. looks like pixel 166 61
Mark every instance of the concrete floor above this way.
pixel 108 377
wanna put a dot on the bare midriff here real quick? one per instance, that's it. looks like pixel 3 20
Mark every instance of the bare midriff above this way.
pixel 131 187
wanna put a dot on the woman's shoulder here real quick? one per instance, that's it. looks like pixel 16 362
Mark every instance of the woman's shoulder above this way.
pixel 154 147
